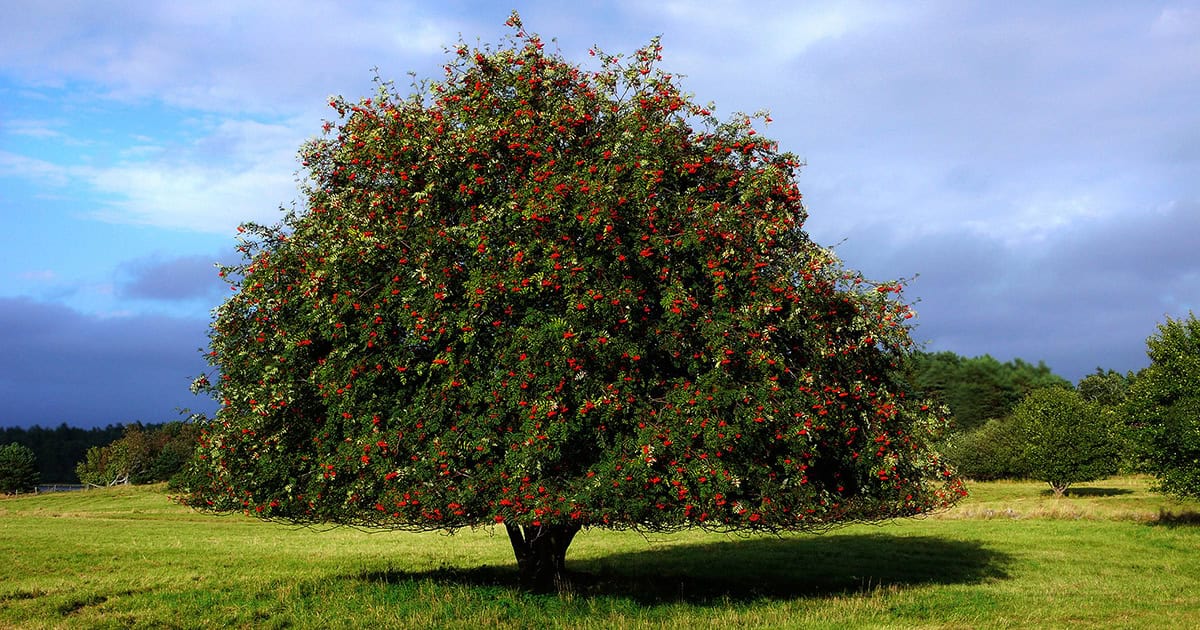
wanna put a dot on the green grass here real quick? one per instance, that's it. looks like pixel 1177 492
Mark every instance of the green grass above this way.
pixel 1011 556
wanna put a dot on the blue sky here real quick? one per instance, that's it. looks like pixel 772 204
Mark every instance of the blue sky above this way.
pixel 1035 164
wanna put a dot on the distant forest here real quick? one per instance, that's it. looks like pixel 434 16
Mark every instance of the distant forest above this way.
pixel 60 450
pixel 977 389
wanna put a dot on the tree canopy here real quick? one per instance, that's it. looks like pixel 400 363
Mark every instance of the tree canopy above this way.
pixel 18 469
pixel 1067 439
pixel 547 297
pixel 1163 407
pixel 978 389
pixel 143 454
pixel 1108 388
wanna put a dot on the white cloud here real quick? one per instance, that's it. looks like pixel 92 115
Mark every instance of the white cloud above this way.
pixel 219 55
pixel 740 31
pixel 238 170
pixel 242 170
pixel 23 167
pixel 33 128
pixel 192 198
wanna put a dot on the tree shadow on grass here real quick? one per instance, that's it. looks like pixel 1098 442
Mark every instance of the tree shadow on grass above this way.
pixel 1170 518
pixel 749 569
pixel 1090 492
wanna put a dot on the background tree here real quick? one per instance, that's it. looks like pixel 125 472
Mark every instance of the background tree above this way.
pixel 105 465
pixel 538 296
pixel 1163 407
pixel 1067 439
pixel 144 454
pixel 977 389
pixel 993 451
pixel 60 449
pixel 1108 388
pixel 18 469
pixel 173 445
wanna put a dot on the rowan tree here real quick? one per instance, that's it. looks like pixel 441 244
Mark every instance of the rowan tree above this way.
pixel 543 297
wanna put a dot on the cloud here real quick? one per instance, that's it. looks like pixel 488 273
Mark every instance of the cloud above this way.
pixel 58 365
pixel 241 170
pixel 200 173
pixel 21 167
pixel 219 55
pixel 1023 117
pixel 789 29
pixel 191 197
pixel 174 279
pixel 40 129
pixel 1087 293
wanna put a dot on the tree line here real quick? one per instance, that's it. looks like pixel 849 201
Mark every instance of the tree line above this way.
pixel 1028 423
pixel 59 450
pixel 977 389
pixel 129 453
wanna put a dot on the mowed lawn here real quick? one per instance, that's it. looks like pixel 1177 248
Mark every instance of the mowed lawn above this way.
pixel 1113 555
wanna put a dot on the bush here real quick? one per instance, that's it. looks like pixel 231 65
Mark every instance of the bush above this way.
pixel 995 450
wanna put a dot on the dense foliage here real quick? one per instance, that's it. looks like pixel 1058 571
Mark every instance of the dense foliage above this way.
pixel 978 389
pixel 993 451
pixel 551 298
pixel 141 455
pixel 1067 439
pixel 18 469
pixel 60 449
pixel 1163 407
pixel 1108 388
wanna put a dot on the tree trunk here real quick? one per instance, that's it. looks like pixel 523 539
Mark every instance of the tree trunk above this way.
pixel 541 555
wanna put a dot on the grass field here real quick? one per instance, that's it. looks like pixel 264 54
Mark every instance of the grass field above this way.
pixel 1112 555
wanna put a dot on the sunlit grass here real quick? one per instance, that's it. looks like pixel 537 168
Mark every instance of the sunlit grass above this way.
pixel 1010 556
pixel 1119 499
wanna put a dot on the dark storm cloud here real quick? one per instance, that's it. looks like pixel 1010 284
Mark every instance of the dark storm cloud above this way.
pixel 57 365
pixel 1160 244
pixel 183 278
pixel 1082 295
